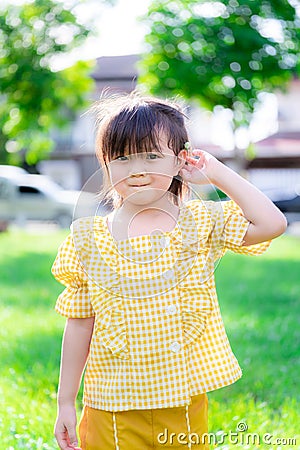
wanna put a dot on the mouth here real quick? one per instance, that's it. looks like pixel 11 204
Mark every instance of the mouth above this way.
pixel 138 185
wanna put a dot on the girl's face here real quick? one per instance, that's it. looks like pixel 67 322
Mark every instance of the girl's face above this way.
pixel 144 178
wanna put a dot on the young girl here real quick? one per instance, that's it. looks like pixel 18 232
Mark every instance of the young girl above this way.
pixel 140 297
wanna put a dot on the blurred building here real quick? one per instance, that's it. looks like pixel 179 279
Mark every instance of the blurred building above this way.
pixel 278 156
pixel 73 162
pixel 277 160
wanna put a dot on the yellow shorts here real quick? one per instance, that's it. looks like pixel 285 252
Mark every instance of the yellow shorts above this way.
pixel 177 428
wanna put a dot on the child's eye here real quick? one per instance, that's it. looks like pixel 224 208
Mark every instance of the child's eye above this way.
pixel 121 158
pixel 153 156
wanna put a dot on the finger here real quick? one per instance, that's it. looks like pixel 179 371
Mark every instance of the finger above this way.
pixel 197 151
pixel 62 440
pixel 72 436
pixel 66 438
pixel 196 161
pixel 187 158
pixel 192 161
pixel 199 154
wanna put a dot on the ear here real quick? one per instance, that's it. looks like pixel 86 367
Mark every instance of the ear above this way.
pixel 181 159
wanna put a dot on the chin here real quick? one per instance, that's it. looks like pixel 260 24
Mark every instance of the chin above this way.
pixel 145 197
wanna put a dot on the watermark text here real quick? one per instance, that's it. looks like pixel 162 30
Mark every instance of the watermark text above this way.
pixel 239 437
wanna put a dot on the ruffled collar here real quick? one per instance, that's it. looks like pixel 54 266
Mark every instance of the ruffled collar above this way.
pixel 185 230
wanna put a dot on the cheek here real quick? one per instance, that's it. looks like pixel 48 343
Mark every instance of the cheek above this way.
pixel 162 181
pixel 116 175
pixel 167 170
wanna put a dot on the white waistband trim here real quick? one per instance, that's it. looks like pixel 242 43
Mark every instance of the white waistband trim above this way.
pixel 188 424
pixel 115 432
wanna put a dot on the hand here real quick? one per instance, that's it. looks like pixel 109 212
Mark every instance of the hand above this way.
pixel 199 168
pixel 65 428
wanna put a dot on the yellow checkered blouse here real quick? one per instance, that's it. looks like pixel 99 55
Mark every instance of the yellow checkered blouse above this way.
pixel 158 336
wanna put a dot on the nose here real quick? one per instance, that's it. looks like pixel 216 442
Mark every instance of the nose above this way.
pixel 137 168
pixel 137 175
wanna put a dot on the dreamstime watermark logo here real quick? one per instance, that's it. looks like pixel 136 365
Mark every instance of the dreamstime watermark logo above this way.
pixel 240 436
pixel 124 270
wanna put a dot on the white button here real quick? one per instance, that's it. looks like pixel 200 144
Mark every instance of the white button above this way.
pixel 171 309
pixel 164 241
pixel 169 274
pixel 175 347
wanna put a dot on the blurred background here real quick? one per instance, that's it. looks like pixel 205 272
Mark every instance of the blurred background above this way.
pixel 235 67
pixel 234 64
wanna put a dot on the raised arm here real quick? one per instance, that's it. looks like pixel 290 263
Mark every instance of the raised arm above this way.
pixel 266 220
pixel 75 349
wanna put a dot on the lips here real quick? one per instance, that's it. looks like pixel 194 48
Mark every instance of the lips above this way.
pixel 138 185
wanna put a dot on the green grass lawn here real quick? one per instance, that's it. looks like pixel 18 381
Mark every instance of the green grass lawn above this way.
pixel 260 302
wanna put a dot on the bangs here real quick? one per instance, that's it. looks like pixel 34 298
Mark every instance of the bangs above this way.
pixel 138 129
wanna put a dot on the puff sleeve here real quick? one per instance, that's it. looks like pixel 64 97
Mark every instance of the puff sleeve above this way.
pixel 230 229
pixel 74 301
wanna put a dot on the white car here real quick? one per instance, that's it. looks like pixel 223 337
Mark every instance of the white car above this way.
pixel 36 197
pixel 12 171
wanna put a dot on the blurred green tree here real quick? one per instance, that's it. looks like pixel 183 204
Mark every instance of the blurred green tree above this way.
pixel 34 98
pixel 221 53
